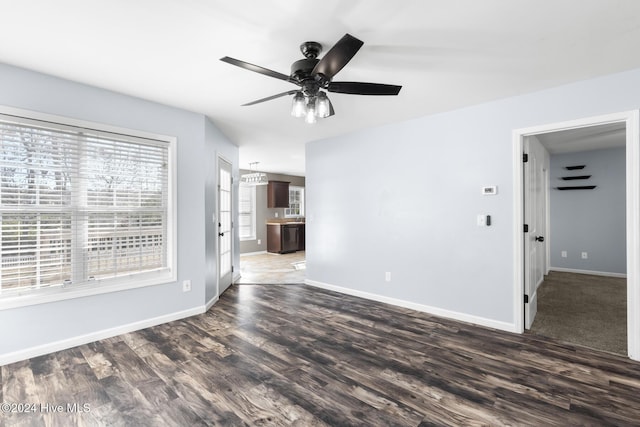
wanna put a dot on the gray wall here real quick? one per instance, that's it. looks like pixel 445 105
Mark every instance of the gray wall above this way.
pixel 591 221
pixel 263 213
pixel 46 324
pixel 415 213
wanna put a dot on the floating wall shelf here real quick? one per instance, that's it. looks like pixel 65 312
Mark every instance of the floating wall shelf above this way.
pixel 571 178
pixel 575 178
pixel 579 187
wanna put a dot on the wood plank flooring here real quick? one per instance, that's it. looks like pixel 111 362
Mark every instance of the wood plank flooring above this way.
pixel 292 355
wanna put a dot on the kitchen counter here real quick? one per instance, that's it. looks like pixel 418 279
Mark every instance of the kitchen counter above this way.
pixel 269 222
pixel 290 220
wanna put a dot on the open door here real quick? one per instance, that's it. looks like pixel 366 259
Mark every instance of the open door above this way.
pixel 225 226
pixel 535 196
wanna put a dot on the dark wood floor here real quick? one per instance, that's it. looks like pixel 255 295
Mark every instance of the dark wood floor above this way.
pixel 295 355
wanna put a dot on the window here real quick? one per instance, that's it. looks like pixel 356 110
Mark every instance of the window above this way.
pixel 81 208
pixel 247 212
pixel 296 202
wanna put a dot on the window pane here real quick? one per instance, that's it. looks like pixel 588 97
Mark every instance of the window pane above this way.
pixel 123 243
pixel 247 213
pixel 124 174
pixel 36 250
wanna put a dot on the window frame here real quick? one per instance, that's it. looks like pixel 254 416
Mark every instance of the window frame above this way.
pixel 252 212
pixel 102 286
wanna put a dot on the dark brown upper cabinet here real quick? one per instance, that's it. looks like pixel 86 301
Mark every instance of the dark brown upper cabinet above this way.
pixel 278 194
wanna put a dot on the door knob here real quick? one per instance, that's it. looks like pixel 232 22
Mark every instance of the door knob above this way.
pixel 539 239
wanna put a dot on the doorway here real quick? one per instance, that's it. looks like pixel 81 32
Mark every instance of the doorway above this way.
pixel 522 265
pixel 264 229
pixel 582 298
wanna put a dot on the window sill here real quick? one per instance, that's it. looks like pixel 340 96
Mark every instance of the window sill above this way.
pixel 62 293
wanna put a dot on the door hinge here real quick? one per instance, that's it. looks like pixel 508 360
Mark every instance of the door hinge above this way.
pixel 526 228
pixel 526 299
pixel 525 157
pixel 232 268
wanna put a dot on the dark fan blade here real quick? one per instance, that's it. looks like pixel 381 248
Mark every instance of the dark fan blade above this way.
pixel 256 68
pixel 269 98
pixel 360 88
pixel 338 56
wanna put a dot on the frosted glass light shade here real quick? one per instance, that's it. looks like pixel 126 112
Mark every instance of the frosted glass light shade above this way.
pixel 298 105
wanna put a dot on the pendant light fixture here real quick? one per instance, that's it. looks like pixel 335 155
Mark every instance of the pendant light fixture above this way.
pixel 254 177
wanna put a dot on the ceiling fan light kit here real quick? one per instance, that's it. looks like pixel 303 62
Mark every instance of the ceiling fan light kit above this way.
pixel 313 75
pixel 299 105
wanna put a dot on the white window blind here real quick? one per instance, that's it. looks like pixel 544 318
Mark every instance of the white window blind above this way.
pixel 78 206
pixel 247 212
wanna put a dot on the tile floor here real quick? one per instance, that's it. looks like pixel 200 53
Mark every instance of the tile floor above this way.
pixel 272 268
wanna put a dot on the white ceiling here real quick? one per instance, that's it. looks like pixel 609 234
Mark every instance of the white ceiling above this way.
pixel 445 53
pixel 612 135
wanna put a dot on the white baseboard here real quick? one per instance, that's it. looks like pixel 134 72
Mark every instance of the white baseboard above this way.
pixel 210 303
pixel 40 350
pixel 482 321
pixel 593 273
pixel 253 253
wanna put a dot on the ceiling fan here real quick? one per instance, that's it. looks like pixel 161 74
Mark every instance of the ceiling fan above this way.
pixel 314 75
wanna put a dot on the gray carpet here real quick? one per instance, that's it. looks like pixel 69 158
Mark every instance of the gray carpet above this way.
pixel 583 309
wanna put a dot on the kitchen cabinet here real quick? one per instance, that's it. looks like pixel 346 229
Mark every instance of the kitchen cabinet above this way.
pixel 278 194
pixel 285 237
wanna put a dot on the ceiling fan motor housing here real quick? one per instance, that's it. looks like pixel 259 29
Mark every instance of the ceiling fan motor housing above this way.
pixel 311 49
pixel 301 70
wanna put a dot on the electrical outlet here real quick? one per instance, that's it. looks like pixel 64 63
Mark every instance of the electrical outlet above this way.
pixel 186 286
pixel 387 276
pixel 259 241
pixel 585 255
pixel 563 254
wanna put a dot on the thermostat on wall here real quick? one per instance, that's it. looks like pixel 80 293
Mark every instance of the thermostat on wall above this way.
pixel 490 191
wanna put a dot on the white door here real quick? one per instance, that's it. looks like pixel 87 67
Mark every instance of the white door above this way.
pixel 225 226
pixel 535 219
